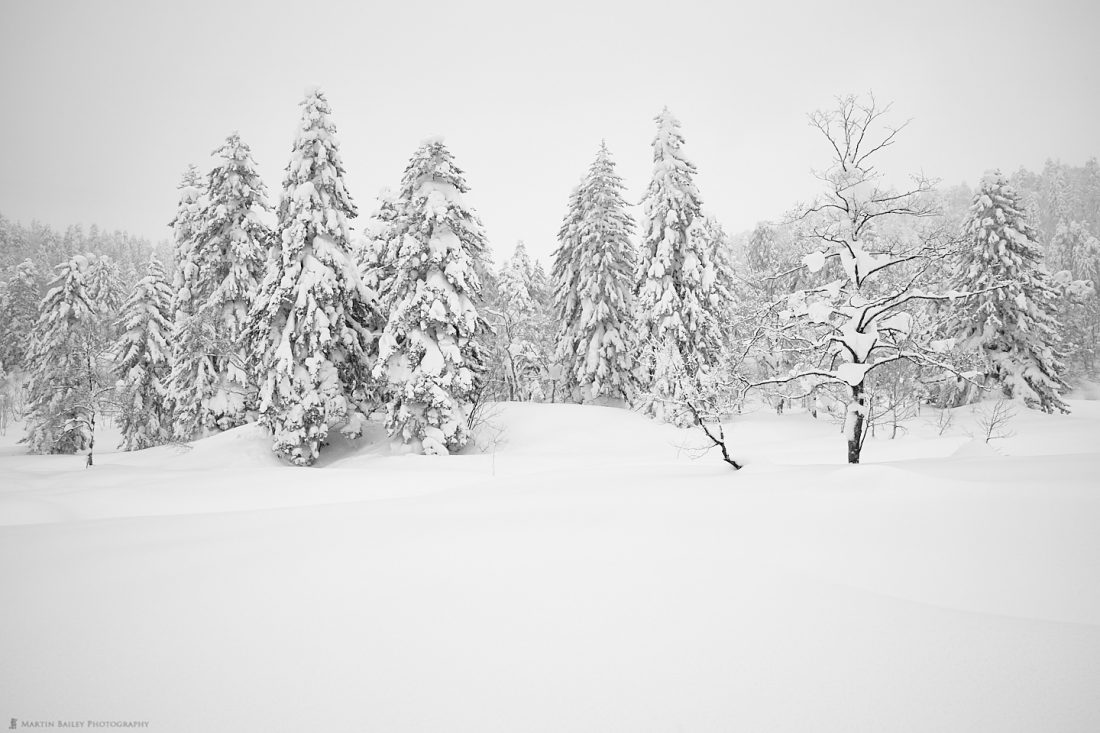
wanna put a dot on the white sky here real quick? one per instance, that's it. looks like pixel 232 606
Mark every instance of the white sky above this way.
pixel 105 103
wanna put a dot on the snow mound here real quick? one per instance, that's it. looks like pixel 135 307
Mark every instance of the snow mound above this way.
pixel 526 428
pixel 248 446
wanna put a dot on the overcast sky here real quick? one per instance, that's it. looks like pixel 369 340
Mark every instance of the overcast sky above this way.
pixel 105 103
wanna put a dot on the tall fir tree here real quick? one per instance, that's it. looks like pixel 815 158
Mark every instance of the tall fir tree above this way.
pixel 66 365
pixel 714 240
pixel 232 244
pixel 314 322
pixel 518 322
pixel 431 352
pixel 680 336
pixel 1014 326
pixel 194 377
pixel 593 275
pixel 541 289
pixel 18 315
pixel 378 253
pixel 142 364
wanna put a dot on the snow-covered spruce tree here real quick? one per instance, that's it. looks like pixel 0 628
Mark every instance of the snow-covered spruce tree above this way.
pixel 377 253
pixel 313 321
pixel 68 380
pixel 1074 254
pixel 105 286
pixel 194 378
pixel 844 329
pixel 1015 326
pixel 232 244
pixel 541 290
pixel 141 362
pixel 1069 250
pixel 431 352
pixel 593 280
pixel 519 325
pixel 18 315
pixel 680 339
pixel 716 242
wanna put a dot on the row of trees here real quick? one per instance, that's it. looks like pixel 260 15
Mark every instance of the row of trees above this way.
pixel 308 326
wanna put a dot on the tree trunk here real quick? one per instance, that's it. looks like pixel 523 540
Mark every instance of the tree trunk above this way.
pixel 91 396
pixel 855 436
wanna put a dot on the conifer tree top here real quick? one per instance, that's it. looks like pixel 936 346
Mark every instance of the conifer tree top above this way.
pixel 432 160
pixel 315 172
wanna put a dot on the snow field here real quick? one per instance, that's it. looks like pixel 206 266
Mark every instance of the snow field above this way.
pixel 577 569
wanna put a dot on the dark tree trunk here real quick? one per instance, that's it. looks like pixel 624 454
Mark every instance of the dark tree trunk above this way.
pixel 855 437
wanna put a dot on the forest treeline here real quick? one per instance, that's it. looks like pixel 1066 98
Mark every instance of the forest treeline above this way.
pixel 865 303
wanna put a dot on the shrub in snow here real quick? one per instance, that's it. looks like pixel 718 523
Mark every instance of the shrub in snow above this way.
pixel 314 322
pixel 431 353
pixel 593 275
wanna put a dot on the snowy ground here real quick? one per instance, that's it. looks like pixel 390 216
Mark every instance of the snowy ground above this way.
pixel 583 573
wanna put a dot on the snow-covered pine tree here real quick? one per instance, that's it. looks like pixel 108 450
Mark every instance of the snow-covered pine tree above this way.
pixel 232 244
pixel 313 321
pixel 142 362
pixel 517 321
pixel 431 352
pixel 18 315
pixel 716 242
pixel 377 253
pixel 593 280
pixel 679 332
pixel 540 288
pixel 66 365
pixel 764 259
pixel 1055 198
pixel 1015 326
pixel 105 287
pixel 1067 246
pixel 194 376
pixel 545 385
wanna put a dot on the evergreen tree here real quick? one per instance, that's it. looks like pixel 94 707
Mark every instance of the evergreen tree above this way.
pixel 1013 326
pixel 764 259
pixel 714 240
pixel 518 323
pixel 232 243
pixel 1068 250
pixel 541 290
pixel 680 335
pixel 1056 199
pixel 142 362
pixel 431 352
pixel 67 379
pixel 18 315
pixel 105 286
pixel 1075 253
pixel 593 275
pixel 105 290
pixel 378 254
pixel 314 321
pixel 194 376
